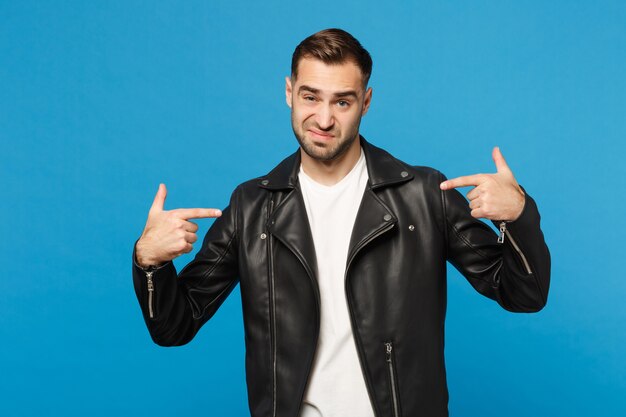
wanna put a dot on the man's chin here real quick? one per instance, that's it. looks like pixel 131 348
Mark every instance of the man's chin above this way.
pixel 323 150
pixel 319 153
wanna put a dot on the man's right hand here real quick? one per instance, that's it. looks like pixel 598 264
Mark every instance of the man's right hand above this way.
pixel 168 233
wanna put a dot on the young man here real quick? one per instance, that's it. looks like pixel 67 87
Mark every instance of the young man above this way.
pixel 340 252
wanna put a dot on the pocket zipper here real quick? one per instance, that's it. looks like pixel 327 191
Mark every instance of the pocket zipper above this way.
pixel 392 378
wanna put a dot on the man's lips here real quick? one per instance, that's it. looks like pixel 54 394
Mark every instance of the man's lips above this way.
pixel 321 135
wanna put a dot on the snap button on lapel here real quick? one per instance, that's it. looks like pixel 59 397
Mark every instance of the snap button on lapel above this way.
pixel 411 227
pixel 404 174
pixel 265 182
pixel 263 236
pixel 387 217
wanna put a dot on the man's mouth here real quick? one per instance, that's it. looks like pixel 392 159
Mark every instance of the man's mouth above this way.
pixel 321 134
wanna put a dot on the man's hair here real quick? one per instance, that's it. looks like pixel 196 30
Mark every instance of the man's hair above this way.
pixel 333 46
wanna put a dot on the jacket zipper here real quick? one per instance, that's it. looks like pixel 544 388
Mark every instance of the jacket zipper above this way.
pixel 149 271
pixel 392 378
pixel 270 262
pixel 504 231
pixel 150 293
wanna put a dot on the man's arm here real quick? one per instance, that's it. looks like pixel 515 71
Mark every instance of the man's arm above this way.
pixel 175 306
pixel 512 267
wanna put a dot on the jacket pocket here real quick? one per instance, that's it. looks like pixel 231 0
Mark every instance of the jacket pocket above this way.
pixel 393 380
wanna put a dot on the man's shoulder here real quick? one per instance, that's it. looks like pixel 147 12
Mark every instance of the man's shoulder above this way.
pixel 422 171
pixel 415 172
pixel 424 175
pixel 281 176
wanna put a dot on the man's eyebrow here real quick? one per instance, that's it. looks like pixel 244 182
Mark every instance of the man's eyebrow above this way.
pixel 340 94
pixel 309 89
pixel 348 93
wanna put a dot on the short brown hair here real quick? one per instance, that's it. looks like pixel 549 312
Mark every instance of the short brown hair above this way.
pixel 333 46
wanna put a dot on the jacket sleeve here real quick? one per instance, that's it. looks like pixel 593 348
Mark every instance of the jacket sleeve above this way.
pixel 513 268
pixel 175 306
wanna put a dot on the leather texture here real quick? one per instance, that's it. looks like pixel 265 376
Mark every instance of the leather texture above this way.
pixel 395 282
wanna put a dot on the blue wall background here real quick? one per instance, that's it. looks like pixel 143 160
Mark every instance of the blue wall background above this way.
pixel 101 101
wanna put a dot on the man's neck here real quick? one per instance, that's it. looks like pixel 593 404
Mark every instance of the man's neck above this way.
pixel 331 172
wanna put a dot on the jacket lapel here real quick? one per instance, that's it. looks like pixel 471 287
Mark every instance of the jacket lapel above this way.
pixel 372 220
pixel 290 225
pixel 289 222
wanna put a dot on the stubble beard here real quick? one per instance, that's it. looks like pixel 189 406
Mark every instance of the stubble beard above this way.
pixel 327 152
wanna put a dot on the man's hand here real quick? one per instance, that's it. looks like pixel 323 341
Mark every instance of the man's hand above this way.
pixel 168 234
pixel 494 196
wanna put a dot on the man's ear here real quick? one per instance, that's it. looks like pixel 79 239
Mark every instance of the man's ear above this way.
pixel 288 91
pixel 367 101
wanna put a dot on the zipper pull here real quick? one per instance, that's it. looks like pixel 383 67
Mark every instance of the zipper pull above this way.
pixel 502 231
pixel 389 348
pixel 150 282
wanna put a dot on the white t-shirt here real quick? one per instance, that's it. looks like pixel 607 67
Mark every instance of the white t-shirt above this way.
pixel 336 386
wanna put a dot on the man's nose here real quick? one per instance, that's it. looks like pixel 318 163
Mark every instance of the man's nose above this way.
pixel 325 118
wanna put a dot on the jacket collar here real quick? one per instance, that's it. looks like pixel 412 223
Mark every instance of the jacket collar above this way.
pixel 383 169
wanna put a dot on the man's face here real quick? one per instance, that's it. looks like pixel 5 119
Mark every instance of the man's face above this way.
pixel 327 103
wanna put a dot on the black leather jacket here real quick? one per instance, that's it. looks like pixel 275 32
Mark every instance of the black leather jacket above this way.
pixel 395 282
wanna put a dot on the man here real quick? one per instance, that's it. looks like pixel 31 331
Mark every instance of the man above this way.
pixel 341 255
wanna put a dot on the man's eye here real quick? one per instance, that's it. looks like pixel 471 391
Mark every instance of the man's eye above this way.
pixel 309 98
pixel 343 103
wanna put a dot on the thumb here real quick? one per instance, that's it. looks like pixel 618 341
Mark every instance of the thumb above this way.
pixel 159 199
pixel 501 165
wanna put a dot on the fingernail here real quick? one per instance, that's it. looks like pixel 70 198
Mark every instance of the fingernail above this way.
pixel 218 212
pixel 443 185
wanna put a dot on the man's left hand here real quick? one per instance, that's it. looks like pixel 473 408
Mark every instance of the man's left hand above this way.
pixel 494 196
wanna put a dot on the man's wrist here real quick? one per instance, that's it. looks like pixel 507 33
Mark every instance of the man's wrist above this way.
pixel 145 263
pixel 521 205
pixel 148 266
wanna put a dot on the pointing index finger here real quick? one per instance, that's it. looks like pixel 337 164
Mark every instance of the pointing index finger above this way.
pixel 196 213
pixel 465 181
